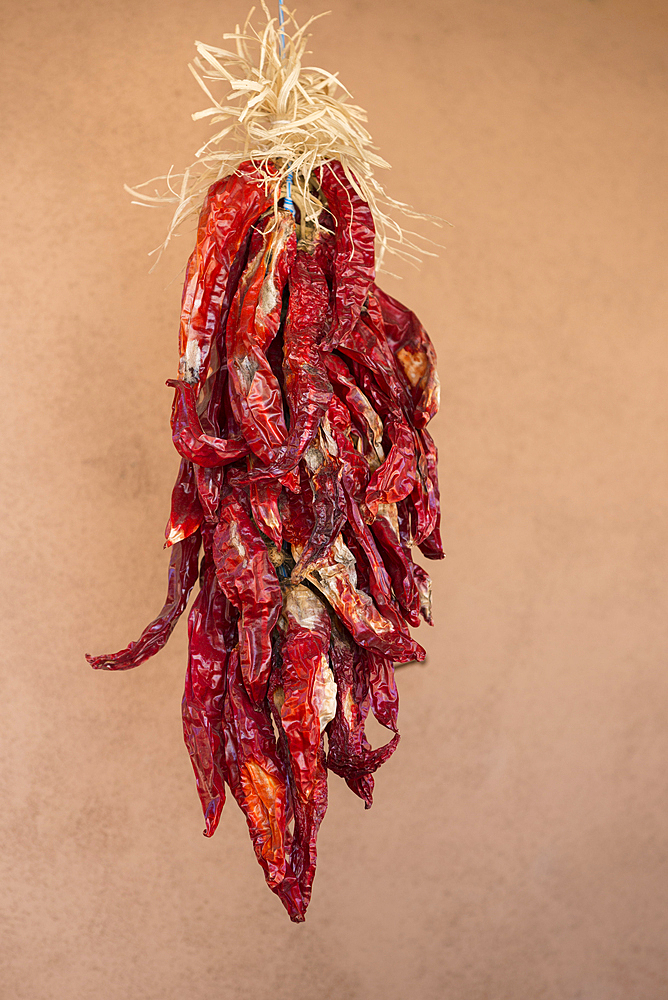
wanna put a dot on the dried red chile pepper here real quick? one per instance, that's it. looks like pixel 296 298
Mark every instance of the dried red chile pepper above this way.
pixel 306 476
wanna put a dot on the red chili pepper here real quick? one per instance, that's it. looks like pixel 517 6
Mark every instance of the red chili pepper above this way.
pixel 397 559
pixel 410 345
pixel 354 264
pixel 255 393
pixel 189 438
pixel 396 477
pixel 212 640
pixel 183 568
pixel 248 579
pixel 306 707
pixel 350 753
pixel 232 206
pixel 186 514
pixel 432 546
pixel 264 505
pixel 306 386
pixel 307 475
pixel 258 781
pixel 327 505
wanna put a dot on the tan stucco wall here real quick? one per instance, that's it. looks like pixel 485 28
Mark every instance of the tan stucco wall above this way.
pixel 517 847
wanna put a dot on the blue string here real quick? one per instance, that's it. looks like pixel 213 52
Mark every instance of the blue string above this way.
pixel 281 21
pixel 288 204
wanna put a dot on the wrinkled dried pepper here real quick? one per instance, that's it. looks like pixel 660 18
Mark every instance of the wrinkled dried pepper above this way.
pixel 306 476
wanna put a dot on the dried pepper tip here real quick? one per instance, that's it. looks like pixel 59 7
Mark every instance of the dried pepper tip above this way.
pixel 183 572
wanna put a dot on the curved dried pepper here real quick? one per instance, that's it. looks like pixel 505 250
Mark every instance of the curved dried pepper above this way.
pixel 183 570
pixel 350 753
pixel 189 438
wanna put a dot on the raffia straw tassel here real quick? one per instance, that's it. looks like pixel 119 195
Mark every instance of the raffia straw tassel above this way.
pixel 286 118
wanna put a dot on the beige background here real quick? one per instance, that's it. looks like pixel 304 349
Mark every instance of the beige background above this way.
pixel 517 848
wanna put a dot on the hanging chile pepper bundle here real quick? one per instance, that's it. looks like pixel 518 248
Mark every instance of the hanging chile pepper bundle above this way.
pixel 307 472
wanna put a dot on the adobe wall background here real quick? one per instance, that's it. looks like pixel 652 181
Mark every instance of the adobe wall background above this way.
pixel 517 846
